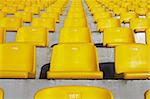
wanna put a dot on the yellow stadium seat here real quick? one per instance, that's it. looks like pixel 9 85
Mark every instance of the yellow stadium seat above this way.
pixel 107 23
pixel 127 16
pixel 139 24
pixel 75 35
pixel 20 7
pixel 74 92
pixel 74 61
pixel 11 24
pixel 99 16
pixel 54 15
pixel 1 94
pixel 25 16
pixel 141 11
pixel 147 94
pixel 36 36
pixel 2 35
pixel 148 15
pixel 9 10
pixel 75 22
pixel 2 14
pixel 21 57
pixel 48 23
pixel 117 10
pixel 132 61
pixel 32 9
pixel 117 36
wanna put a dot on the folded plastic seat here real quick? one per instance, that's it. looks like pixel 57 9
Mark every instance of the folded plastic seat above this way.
pixel 17 60
pixel 74 92
pixel 74 61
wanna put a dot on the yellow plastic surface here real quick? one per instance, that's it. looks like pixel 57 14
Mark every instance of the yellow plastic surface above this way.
pixel 17 60
pixel 77 61
pixel 107 23
pixel 75 22
pixel 100 16
pixel 117 10
pixel 74 92
pixel 48 23
pixel 127 16
pixel 2 35
pixel 141 11
pixel 147 94
pixel 75 35
pixel 11 24
pixel 32 9
pixel 2 14
pixel 117 36
pixel 148 36
pixel 133 61
pixel 1 94
pixel 54 15
pixel 9 10
pixel 25 16
pixel 139 24
pixel 35 36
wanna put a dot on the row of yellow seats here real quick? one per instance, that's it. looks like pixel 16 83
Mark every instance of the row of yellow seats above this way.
pixel 104 19
pixel 22 4
pixel 73 50
pixel 74 92
pixel 139 7
pixel 13 23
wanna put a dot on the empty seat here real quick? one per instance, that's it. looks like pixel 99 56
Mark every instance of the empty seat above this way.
pixel 54 15
pixel 117 10
pixel 2 35
pixel 36 36
pixel 141 11
pixel 2 15
pixel 77 61
pixel 74 92
pixel 17 60
pixel 107 23
pixel 32 9
pixel 25 16
pixel 75 35
pixel 9 9
pixel 98 16
pixel 1 94
pixel 147 94
pixel 132 61
pixel 127 16
pixel 139 24
pixel 148 36
pixel 48 23
pixel 11 24
pixel 75 22
pixel 116 36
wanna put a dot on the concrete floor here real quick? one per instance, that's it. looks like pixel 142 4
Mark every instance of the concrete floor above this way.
pixel 121 89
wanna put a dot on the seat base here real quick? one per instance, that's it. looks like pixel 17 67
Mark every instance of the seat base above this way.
pixel 74 75
pixel 16 74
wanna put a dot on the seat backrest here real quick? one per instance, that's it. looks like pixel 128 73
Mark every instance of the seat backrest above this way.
pixel 132 58
pixel 78 35
pixel 17 57
pixel 74 92
pixel 74 57
pixel 117 36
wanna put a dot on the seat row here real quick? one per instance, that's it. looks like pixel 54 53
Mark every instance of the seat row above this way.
pixel 140 7
pixel 74 92
pixel 75 57
pixel 104 18
pixel 33 6
pixel 47 19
